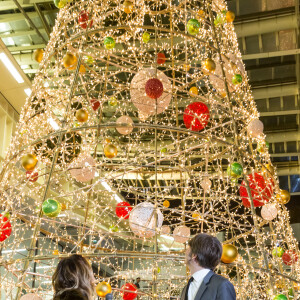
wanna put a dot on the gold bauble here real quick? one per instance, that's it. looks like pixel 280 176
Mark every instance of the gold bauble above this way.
pixel 229 254
pixel 82 69
pixel 29 162
pixel 82 115
pixel 209 65
pixel 128 7
pixel 70 61
pixel 38 55
pixel 166 203
pixel 103 288
pixel 230 16
pixel 186 67
pixel 110 151
pixel 201 13
pixel 283 197
pixel 63 206
pixel 196 216
pixel 55 252
pixel 193 91
pixel 267 170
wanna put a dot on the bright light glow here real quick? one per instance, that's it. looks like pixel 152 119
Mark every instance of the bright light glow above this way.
pixel 10 67
pixel 106 186
pixel 62 215
pixel 167 237
pixel 46 84
pixel 53 124
pixel 10 251
pixel 27 92
pixel 118 199
pixel 44 267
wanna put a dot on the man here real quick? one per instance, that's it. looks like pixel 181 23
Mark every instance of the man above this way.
pixel 203 254
pixel 137 283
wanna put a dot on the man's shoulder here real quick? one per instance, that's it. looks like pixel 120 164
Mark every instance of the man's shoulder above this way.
pixel 219 279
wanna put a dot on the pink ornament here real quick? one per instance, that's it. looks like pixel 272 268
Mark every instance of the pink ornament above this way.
pixel 129 291
pixel 269 211
pixel 165 229
pixel 255 128
pixel 196 116
pixel 154 88
pixel 32 176
pixel 125 120
pixel 289 257
pixel 146 105
pixel 261 190
pixel 181 234
pixel 95 104
pixel 83 170
pixel 205 184
pixel 123 210
pixel 30 296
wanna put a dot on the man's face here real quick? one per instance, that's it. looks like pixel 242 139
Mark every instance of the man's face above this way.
pixel 138 280
pixel 188 256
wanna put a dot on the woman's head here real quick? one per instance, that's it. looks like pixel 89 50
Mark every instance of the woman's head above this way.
pixel 74 273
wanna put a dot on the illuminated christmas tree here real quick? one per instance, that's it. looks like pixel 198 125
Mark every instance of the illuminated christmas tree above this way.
pixel 141 131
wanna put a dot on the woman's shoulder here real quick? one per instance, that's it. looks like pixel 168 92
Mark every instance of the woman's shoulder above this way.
pixel 70 295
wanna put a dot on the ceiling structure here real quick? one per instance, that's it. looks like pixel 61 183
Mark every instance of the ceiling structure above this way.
pixel 268 35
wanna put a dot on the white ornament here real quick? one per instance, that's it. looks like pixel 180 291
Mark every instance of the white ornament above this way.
pixel 255 128
pixel 165 229
pixel 125 120
pixel 142 220
pixel 206 184
pixel 31 297
pixel 83 170
pixel 269 211
pixel 181 234
pixel 141 101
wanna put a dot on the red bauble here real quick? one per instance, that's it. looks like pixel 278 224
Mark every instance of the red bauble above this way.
pixel 5 228
pixel 95 104
pixel 196 116
pixel 261 190
pixel 123 210
pixel 154 88
pixel 83 20
pixel 32 176
pixel 129 291
pixel 161 58
pixel 289 257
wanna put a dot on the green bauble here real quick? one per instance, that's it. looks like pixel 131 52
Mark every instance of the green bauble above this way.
pixel 164 150
pixel 113 101
pixel 113 228
pixel 109 43
pixel 261 147
pixel 278 251
pixel 237 79
pixel 146 37
pixel 235 170
pixel 51 208
pixel 291 293
pixel 60 3
pixel 280 297
pixel 193 26
pixel 220 19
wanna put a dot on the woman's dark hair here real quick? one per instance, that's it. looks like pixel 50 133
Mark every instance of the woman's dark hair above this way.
pixel 70 295
pixel 208 250
pixel 73 274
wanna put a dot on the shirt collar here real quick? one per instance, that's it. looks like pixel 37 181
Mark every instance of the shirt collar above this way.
pixel 199 275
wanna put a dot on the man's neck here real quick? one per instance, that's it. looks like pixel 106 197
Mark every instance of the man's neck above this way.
pixel 194 269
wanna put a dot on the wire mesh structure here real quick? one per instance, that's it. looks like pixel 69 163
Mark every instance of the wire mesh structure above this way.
pixel 140 132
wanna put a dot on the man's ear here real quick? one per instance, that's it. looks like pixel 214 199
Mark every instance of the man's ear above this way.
pixel 194 256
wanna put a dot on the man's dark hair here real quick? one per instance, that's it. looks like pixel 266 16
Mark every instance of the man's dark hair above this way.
pixel 70 295
pixel 138 278
pixel 208 250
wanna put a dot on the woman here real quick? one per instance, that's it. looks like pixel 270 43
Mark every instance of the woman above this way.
pixel 73 279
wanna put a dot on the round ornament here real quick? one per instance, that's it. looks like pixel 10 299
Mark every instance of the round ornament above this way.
pixel 113 101
pixel 193 91
pixel 269 211
pixel 181 234
pixel 30 296
pixel 123 210
pixel 32 176
pixel 235 170
pixel 277 252
pixel 220 19
pixel 83 20
pixel 209 65
pixel 164 150
pixel 237 79
pixel 229 254
pixel 82 115
pixel 196 116
pixel 261 190
pixel 38 55
pixel 128 7
pixel 283 197
pixel 230 16
pixel 193 26
pixel 113 228
pixel 142 220
pixel 146 37
pixel 154 88
pixel 124 120
pixel 60 3
pixel 289 257
pixel 5 228
pixel 165 229
pixel 63 207
pixel 51 208
pixel 145 104
pixel 267 170
pixel 109 43
pixel 103 288
pixel 110 151
pixel 70 61
pixel 83 170
pixel 255 128
pixel 166 203
pixel 95 103
pixel 206 184
pixel 82 69
pixel 55 252
pixel 196 216
pixel 161 58
pixel 263 147
pixel 29 162
pixel 128 291
pixel 280 297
